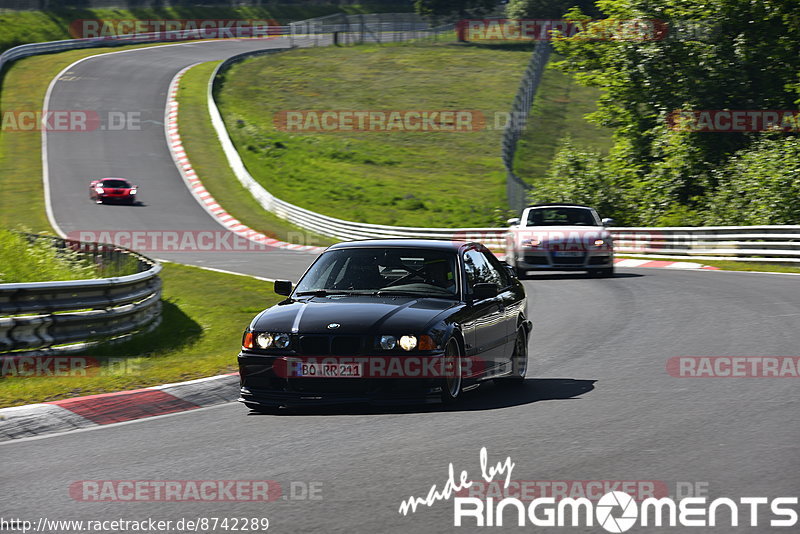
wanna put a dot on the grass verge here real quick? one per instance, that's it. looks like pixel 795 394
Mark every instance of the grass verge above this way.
pixel 203 317
pixel 23 260
pixel 728 265
pixel 558 112
pixel 414 178
pixel 208 159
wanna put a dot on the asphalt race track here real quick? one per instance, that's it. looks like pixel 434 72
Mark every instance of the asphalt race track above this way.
pixel 598 403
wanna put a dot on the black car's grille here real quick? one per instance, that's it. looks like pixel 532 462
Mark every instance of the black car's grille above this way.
pixel 314 345
pixel 321 345
pixel 346 345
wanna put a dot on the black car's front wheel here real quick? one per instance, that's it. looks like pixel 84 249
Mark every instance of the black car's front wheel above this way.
pixel 451 385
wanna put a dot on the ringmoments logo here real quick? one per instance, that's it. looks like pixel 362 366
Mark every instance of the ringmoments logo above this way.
pixel 614 511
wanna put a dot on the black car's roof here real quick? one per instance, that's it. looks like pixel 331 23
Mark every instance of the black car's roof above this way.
pixel 435 244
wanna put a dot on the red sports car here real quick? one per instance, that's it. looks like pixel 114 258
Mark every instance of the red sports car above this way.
pixel 112 189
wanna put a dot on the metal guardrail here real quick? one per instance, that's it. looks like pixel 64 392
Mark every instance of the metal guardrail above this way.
pixel 768 243
pixel 33 49
pixel 516 188
pixel 41 315
pixel 35 5
pixel 360 28
pixel 751 243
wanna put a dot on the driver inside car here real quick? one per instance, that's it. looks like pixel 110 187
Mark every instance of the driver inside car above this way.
pixel 438 273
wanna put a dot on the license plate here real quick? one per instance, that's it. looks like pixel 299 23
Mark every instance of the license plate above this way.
pixel 328 370
pixel 567 254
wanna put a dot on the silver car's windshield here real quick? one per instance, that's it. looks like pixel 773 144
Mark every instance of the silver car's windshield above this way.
pixel 382 271
pixel 564 216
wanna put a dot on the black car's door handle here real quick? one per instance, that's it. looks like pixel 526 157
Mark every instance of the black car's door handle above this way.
pixel 501 304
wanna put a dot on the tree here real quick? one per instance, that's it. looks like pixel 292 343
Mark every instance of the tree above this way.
pixel 717 55
pixel 460 8
pixel 547 9
pixel 759 185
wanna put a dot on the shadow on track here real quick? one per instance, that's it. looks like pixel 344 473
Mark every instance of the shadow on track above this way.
pixel 136 204
pixel 566 275
pixel 490 396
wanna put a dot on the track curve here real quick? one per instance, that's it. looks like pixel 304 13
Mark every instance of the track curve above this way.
pixel 137 81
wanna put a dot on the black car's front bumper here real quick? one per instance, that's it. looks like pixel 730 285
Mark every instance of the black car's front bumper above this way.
pixel 261 385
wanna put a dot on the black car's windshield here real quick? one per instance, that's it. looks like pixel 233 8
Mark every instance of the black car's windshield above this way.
pixel 561 217
pixel 382 271
pixel 116 183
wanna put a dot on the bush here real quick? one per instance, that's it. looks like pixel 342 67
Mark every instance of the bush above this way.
pixel 583 177
pixel 24 261
pixel 759 185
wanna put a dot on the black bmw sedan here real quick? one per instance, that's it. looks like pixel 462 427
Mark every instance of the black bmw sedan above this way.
pixel 388 321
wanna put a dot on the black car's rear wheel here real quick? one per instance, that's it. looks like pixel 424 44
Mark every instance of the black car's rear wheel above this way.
pixel 451 385
pixel 519 359
pixel 522 273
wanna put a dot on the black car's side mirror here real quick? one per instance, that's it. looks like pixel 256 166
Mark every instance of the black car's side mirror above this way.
pixel 283 287
pixel 484 290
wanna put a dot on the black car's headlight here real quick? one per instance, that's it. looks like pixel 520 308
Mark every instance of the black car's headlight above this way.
pixel 407 342
pixel 264 340
pixel 388 342
pixel 268 340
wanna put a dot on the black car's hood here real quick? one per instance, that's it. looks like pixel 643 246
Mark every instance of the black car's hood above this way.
pixel 353 314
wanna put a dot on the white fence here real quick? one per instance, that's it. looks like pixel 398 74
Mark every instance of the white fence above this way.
pixel 39 315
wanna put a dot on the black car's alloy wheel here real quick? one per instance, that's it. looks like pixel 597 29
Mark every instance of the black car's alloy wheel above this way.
pixel 519 360
pixel 451 385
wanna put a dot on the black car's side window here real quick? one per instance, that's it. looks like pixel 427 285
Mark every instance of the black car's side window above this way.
pixel 503 279
pixel 479 270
